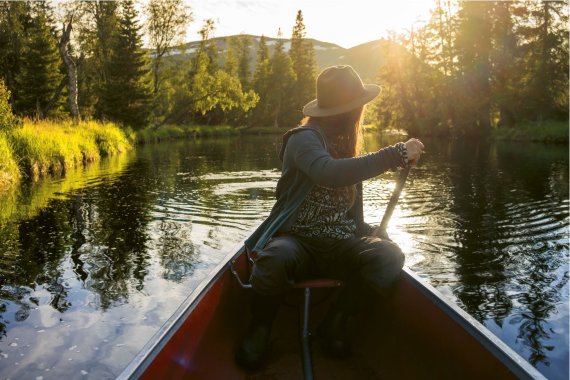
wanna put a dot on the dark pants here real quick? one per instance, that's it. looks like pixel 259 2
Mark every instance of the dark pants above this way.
pixel 361 262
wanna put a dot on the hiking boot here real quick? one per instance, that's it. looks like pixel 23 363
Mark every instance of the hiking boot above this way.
pixel 333 335
pixel 252 352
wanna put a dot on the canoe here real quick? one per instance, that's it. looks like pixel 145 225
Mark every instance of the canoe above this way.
pixel 414 334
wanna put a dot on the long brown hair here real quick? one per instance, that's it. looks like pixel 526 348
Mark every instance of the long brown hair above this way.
pixel 344 138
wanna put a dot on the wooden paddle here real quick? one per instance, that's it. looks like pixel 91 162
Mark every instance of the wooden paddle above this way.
pixel 381 230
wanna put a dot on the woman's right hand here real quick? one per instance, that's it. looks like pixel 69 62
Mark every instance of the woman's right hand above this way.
pixel 415 149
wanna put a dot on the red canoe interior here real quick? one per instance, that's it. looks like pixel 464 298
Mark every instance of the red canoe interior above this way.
pixel 406 337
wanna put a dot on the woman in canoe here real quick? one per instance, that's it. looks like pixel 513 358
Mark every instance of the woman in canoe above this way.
pixel 316 227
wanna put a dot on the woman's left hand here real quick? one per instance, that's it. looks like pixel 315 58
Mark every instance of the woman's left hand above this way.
pixel 415 149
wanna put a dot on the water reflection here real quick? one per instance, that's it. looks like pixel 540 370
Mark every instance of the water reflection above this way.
pixel 489 227
pixel 92 267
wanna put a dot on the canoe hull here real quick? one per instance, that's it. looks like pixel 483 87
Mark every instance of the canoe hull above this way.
pixel 415 334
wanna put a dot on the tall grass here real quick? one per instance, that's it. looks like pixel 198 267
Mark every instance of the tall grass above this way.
pixel 47 147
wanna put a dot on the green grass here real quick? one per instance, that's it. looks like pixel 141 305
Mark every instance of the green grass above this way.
pixel 546 131
pixel 47 147
pixel 173 132
pixel 9 171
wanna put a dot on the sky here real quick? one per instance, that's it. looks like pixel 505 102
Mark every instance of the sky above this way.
pixel 345 23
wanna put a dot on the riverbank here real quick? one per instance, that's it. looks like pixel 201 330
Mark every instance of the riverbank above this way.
pixel 174 132
pixel 42 148
pixel 549 131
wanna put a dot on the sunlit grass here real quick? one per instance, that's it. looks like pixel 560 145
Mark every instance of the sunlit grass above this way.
pixel 46 147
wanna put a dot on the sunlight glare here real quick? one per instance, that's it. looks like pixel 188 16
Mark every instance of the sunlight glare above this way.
pixel 334 21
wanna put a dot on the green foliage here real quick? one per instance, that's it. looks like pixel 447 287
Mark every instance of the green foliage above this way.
pixel 544 52
pixel 39 75
pixel 207 90
pixel 166 24
pixel 114 76
pixel 477 65
pixel 219 89
pixel 173 132
pixel 126 94
pixel 261 114
pixel 15 17
pixel 240 49
pixel 9 171
pixel 7 119
pixel 282 79
pixel 547 131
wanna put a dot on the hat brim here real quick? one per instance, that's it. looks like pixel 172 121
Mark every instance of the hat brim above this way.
pixel 312 108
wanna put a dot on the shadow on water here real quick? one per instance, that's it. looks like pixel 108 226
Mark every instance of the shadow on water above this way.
pixel 118 248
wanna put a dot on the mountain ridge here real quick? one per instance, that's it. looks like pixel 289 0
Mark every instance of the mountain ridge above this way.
pixel 366 58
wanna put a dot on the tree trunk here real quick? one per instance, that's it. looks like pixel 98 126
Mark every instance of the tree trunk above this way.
pixel 71 71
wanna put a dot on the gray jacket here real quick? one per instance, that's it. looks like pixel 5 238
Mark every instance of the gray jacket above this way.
pixel 307 162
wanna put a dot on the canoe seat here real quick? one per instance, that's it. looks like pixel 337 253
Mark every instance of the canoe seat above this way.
pixel 307 285
pixel 318 283
pixel 244 262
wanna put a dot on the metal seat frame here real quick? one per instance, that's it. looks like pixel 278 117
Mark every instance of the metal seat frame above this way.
pixel 307 285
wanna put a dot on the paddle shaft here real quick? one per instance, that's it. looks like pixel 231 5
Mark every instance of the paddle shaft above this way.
pixel 394 198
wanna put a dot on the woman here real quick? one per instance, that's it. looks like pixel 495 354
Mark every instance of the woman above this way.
pixel 316 226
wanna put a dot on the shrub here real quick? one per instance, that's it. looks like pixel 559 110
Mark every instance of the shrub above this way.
pixel 7 119
pixel 9 172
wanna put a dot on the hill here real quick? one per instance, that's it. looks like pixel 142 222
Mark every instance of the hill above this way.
pixel 365 58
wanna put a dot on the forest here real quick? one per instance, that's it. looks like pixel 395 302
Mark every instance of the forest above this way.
pixel 471 68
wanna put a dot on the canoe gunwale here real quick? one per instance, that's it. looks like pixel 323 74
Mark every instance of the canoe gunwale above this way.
pixel 512 360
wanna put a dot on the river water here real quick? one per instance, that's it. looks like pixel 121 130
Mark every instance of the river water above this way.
pixel 94 263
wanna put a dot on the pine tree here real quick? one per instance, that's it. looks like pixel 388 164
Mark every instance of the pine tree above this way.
pixel 440 54
pixel 282 79
pixel 304 65
pixel 231 63
pixel 207 46
pixel 244 61
pixel 96 36
pixel 39 74
pixel 262 50
pixel 127 93
pixel 15 19
pixel 545 54
pixel 237 65
pixel 474 46
pixel 261 85
pixel 507 69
